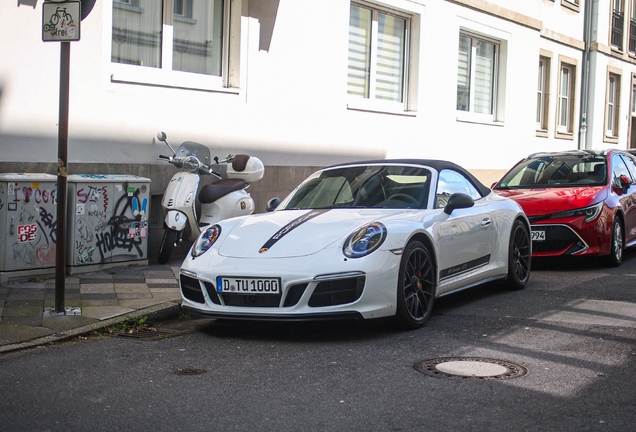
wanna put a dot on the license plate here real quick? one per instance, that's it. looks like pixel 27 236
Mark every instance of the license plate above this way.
pixel 247 285
pixel 538 235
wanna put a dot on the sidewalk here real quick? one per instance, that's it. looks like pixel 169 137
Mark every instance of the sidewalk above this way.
pixel 92 301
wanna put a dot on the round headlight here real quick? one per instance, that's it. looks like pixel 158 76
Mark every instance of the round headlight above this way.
pixel 206 240
pixel 191 164
pixel 365 240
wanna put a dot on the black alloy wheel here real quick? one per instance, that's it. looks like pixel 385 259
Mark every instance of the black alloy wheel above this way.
pixel 519 256
pixel 415 287
pixel 615 258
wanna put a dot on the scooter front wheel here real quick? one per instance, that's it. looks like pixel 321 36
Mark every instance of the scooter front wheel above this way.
pixel 168 243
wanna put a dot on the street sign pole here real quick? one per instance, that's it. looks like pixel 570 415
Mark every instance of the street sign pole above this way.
pixel 62 173
pixel 61 23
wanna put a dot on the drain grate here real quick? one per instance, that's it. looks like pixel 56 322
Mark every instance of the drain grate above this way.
pixel 148 334
pixel 471 368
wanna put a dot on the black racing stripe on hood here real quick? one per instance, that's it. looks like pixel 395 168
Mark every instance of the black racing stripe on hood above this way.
pixel 290 227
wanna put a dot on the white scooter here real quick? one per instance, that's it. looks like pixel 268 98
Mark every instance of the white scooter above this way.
pixel 223 199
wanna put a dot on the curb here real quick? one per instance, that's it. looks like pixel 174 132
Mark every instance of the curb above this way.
pixel 161 311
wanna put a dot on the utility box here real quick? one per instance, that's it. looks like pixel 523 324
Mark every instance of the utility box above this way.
pixel 28 218
pixel 107 221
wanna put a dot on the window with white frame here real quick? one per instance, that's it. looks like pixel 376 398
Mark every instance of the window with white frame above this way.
pixel 378 53
pixel 612 106
pixel 477 74
pixel 565 109
pixel 190 39
pixel 543 90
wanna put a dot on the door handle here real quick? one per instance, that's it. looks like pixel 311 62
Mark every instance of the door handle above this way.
pixel 485 222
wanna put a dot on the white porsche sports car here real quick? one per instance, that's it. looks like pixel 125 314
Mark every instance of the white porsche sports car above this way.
pixel 360 240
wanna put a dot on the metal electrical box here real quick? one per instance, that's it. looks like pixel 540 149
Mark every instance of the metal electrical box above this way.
pixel 107 221
pixel 28 218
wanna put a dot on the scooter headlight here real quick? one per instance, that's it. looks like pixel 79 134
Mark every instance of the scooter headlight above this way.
pixel 365 240
pixel 205 241
pixel 191 164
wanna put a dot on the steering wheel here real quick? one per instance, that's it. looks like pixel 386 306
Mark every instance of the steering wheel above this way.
pixel 406 198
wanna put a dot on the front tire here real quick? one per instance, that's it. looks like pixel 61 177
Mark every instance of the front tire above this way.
pixel 519 256
pixel 615 258
pixel 168 243
pixel 415 286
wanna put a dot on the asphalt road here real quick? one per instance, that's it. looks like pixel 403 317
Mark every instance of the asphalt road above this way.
pixel 573 328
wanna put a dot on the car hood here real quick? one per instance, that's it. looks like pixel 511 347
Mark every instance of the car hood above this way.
pixel 542 201
pixel 293 233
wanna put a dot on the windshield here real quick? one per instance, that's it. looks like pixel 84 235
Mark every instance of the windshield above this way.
pixel 363 187
pixel 191 148
pixel 561 170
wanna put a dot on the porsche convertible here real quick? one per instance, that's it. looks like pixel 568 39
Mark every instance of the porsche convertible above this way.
pixel 360 240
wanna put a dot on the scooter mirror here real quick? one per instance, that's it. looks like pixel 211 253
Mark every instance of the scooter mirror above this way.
pixel 161 136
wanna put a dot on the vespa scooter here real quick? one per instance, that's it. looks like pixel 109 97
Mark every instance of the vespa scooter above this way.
pixel 222 199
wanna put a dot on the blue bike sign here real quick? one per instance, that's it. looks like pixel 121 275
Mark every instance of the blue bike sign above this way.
pixel 61 21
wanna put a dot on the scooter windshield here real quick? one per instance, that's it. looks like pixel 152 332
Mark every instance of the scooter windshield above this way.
pixel 191 148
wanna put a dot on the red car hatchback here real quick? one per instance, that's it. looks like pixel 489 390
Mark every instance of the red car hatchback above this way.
pixel 579 202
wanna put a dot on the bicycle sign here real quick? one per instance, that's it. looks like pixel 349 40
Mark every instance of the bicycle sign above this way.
pixel 61 21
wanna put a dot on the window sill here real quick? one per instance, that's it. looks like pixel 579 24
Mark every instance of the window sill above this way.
pixel 155 77
pixel 611 139
pixel 485 119
pixel 379 107
pixel 128 7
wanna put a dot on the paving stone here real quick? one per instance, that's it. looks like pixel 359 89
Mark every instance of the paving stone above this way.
pixel 104 312
pixel 66 322
pixel 32 294
pixel 33 321
pixel 130 288
pixel 17 333
pixel 100 302
pixel 109 296
pixel 158 291
pixel 97 288
pixel 128 296
pixel 139 303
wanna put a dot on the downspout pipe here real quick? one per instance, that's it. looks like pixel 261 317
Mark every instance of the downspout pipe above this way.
pixel 589 7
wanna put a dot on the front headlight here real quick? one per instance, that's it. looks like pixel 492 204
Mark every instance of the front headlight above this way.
pixel 365 240
pixel 206 240
pixel 191 164
pixel 590 213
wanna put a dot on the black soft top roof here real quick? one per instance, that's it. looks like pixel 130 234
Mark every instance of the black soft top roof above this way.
pixel 436 164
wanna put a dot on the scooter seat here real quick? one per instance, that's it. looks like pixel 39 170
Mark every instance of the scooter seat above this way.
pixel 216 190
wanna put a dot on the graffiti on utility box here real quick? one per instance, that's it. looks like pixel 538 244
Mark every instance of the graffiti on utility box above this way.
pixel 110 221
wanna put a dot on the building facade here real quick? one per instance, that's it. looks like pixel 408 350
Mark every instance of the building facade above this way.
pixel 303 84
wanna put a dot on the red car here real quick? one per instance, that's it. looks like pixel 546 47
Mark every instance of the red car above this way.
pixel 579 202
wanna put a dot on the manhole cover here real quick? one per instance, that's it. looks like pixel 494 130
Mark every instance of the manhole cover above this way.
pixel 187 372
pixel 147 334
pixel 473 368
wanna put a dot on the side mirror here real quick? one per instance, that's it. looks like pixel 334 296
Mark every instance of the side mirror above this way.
pixel 625 182
pixel 161 136
pixel 458 201
pixel 272 204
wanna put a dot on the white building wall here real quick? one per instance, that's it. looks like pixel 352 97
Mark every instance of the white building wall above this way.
pixel 290 108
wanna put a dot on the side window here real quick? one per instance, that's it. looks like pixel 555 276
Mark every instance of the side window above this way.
pixel 451 182
pixel 630 161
